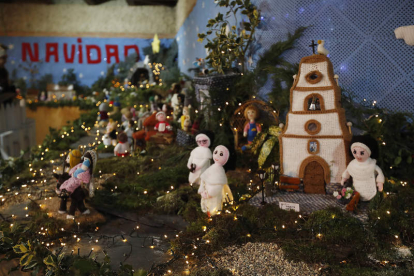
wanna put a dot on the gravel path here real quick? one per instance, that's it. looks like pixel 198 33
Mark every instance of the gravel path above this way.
pixel 261 259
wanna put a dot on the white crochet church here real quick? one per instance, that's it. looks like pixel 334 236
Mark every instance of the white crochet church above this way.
pixel 315 141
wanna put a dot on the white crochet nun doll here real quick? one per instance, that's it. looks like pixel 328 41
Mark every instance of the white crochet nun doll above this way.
pixel 366 175
pixel 200 157
pixel 214 189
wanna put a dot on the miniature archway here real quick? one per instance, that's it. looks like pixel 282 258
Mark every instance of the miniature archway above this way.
pixel 321 161
pixel 314 102
pixel 268 117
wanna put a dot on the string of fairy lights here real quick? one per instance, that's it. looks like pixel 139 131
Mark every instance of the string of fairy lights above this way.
pixel 198 244
pixel 77 236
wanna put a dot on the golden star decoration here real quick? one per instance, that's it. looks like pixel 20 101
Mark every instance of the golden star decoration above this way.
pixel 155 44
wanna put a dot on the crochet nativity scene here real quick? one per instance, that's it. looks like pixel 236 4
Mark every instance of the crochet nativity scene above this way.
pixel 251 159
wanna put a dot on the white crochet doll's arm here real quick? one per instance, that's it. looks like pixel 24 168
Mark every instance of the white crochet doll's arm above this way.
pixel 345 177
pixel 190 161
pixel 380 178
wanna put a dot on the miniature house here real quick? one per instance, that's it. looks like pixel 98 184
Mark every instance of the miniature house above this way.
pixel 315 141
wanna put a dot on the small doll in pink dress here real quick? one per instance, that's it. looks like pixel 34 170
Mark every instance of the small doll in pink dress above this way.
pixel 162 126
pixel 81 173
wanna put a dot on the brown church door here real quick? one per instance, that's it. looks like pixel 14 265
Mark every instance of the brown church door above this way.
pixel 314 181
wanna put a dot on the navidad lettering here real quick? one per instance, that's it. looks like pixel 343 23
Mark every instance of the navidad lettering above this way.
pixel 31 52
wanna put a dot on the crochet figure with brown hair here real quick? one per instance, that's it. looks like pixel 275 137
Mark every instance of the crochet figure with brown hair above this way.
pixel 251 129
pixel 122 148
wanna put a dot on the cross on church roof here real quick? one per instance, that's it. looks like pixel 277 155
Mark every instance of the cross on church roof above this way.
pixel 313 45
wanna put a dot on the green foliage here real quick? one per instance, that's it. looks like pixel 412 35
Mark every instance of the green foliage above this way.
pixel 11 167
pixel 28 260
pixel 168 58
pixel 225 48
pixel 21 84
pixel 105 81
pixel 123 68
pixel 22 241
pixel 43 81
pixel 81 103
pixel 334 238
pixel 130 186
pixel 31 68
pixel 281 72
pixel 184 201
pixel 393 215
pixel 271 64
pixel 70 78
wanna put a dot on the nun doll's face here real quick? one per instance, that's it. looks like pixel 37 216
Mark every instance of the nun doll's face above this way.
pixel 360 154
pixel 203 141
pixel 221 155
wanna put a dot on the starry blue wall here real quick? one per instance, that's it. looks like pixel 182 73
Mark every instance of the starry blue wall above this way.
pixel 359 34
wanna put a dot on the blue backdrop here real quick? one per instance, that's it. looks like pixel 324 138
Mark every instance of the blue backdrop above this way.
pixel 55 55
pixel 359 34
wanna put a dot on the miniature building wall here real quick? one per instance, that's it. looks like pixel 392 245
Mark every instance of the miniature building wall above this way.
pixel 16 131
pixel 326 141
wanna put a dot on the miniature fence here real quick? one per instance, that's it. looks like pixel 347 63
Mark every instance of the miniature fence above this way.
pixel 16 131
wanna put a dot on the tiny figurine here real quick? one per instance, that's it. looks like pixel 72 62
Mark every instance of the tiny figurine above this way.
pixel 72 159
pixel 187 124
pixel 126 117
pixel 145 134
pixel 162 126
pixel 106 140
pixel 321 48
pixel 186 112
pixel 153 104
pixel 81 173
pixel 176 100
pixel 200 157
pixel 123 112
pixel 251 113
pixel 107 93
pixel 363 168
pixel 129 131
pixel 43 96
pixel 111 131
pixel 142 115
pixel 196 126
pixel 116 105
pixel 178 111
pixel 134 113
pixel 214 189
pixel 122 148
pixel 200 66
pixel 103 114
